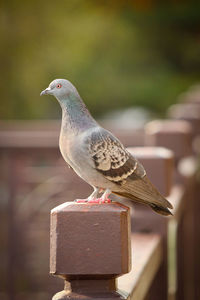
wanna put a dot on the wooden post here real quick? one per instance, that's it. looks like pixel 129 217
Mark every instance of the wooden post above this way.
pixel 177 136
pixel 89 248
pixel 189 112
pixel 159 164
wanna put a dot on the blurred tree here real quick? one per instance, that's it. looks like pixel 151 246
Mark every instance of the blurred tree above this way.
pixel 116 54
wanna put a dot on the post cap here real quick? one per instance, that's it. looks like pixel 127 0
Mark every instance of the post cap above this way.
pixel 90 239
pixel 175 135
pixel 189 112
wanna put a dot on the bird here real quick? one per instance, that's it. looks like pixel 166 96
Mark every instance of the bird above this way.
pixel 98 157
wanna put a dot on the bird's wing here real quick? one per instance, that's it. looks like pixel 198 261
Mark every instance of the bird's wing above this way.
pixel 112 160
pixel 116 164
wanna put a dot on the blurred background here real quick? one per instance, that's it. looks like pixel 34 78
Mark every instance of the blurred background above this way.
pixel 129 61
pixel 117 54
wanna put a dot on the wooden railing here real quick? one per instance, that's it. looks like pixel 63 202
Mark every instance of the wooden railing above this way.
pixel 164 250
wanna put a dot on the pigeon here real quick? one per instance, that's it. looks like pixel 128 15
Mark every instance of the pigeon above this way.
pixel 97 156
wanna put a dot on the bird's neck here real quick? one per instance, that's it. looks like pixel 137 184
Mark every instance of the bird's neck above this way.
pixel 75 116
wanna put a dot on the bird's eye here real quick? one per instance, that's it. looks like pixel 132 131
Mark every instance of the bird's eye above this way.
pixel 59 86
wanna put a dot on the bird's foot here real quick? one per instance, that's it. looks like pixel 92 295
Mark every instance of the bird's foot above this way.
pixel 99 200
pixel 93 197
pixel 107 200
pixel 94 200
pixel 104 198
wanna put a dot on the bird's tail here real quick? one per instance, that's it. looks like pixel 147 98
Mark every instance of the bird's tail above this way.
pixel 143 191
pixel 161 210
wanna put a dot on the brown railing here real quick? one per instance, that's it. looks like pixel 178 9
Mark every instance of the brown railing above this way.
pixel 94 260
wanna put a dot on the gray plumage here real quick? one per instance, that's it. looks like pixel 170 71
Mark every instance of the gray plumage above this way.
pixel 97 156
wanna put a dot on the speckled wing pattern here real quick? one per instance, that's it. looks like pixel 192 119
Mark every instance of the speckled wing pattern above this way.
pixel 112 159
pixel 116 164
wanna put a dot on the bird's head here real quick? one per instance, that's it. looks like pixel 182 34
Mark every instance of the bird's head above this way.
pixel 61 89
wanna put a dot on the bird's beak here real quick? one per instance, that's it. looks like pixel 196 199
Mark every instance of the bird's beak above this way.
pixel 46 92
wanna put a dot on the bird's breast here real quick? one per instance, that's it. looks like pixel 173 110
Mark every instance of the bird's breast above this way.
pixel 64 145
pixel 75 153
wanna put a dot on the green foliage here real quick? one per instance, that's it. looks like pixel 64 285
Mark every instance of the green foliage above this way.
pixel 115 55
